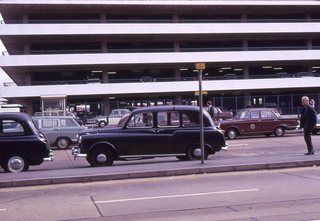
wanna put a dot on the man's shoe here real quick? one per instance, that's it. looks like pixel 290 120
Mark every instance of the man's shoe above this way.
pixel 309 153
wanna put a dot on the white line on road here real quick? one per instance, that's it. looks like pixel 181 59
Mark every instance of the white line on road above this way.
pixel 240 144
pixel 175 196
pixel 2 210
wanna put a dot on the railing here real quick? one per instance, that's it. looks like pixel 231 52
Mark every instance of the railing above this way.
pixel 160 50
pixel 171 79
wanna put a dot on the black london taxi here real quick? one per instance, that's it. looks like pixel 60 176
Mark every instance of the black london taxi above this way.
pixel 21 143
pixel 158 131
pixel 255 121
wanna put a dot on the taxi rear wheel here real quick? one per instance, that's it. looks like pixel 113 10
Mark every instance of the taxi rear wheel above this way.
pixel 100 156
pixel 194 153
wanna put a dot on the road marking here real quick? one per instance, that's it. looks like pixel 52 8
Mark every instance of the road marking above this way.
pixel 175 196
pixel 241 145
pixel 2 210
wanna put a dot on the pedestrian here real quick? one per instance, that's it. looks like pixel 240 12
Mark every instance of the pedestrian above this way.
pixel 210 109
pixel 249 105
pixel 312 103
pixel 308 120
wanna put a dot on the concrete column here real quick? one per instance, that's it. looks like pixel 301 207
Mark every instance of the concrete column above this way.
pixel 175 18
pixel 178 100
pixel 103 18
pixel 177 74
pixel 246 72
pixel 309 44
pixel 25 19
pixel 245 44
pixel 26 49
pixel 29 107
pixel 106 106
pixel 104 46
pixel 176 46
pixel 244 18
pixel 27 78
pixel 105 76
pixel 308 17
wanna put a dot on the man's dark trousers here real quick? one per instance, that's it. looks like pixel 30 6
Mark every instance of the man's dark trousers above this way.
pixel 307 138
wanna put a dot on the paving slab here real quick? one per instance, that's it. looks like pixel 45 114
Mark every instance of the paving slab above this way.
pixel 243 154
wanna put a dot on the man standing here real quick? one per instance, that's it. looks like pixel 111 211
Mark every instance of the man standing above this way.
pixel 211 109
pixel 308 120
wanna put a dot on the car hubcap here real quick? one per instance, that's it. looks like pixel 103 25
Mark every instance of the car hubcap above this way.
pixel 232 134
pixel 101 158
pixel 279 131
pixel 63 143
pixel 197 152
pixel 16 164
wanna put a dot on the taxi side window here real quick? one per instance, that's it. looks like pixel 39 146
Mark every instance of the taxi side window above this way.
pixel 11 127
pixel 141 120
pixel 168 119
pixel 190 120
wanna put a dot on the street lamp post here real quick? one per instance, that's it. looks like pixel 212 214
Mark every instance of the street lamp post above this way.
pixel 200 67
pixel 201 116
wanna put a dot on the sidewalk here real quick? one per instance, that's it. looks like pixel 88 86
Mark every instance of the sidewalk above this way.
pixel 243 155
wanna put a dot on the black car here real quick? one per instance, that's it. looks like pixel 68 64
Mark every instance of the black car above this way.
pixel 158 131
pixel 21 143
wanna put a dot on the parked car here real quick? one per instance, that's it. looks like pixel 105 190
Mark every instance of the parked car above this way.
pixel 93 81
pixel 158 131
pixel 21 143
pixel 61 131
pixel 58 113
pixel 221 115
pixel 304 74
pixel 317 128
pixel 230 76
pixel 112 119
pixel 253 121
pixel 282 75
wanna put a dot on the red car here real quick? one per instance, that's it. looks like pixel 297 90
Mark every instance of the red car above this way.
pixel 255 121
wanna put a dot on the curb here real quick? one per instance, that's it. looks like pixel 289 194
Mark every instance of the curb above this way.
pixel 157 173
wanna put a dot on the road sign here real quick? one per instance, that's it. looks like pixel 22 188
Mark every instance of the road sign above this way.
pixel 203 93
pixel 200 66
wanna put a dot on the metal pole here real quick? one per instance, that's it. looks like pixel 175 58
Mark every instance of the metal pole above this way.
pixel 201 116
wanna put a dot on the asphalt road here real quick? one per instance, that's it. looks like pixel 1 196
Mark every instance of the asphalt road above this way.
pixel 282 195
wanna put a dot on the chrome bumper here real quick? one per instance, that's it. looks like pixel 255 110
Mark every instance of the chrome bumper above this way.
pixel 76 153
pixel 225 147
pixel 50 157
